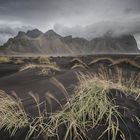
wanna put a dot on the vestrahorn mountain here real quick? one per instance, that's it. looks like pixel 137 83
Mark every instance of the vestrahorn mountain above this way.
pixel 51 43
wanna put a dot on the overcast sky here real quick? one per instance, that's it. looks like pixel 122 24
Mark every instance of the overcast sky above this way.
pixel 83 18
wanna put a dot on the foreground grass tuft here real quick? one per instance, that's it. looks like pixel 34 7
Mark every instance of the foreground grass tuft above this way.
pixel 12 114
pixel 86 109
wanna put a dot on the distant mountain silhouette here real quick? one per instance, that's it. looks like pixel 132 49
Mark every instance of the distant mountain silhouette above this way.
pixel 51 43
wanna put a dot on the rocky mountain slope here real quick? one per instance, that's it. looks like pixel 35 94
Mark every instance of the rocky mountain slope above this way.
pixel 51 43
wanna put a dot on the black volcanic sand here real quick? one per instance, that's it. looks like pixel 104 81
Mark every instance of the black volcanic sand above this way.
pixel 8 69
pixel 23 82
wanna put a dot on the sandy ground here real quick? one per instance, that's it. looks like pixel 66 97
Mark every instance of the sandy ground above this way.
pixel 23 82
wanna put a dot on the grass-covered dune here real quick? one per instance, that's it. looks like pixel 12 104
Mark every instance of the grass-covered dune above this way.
pixel 90 99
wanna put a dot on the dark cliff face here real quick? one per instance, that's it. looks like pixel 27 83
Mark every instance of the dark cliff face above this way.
pixel 34 33
pixel 51 35
pixel 52 43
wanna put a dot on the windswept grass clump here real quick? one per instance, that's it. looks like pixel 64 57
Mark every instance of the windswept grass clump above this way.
pixel 29 66
pixel 96 60
pixel 44 65
pixel 78 61
pixel 12 114
pixel 4 59
pixel 127 84
pixel 127 61
pixel 78 66
pixel 116 62
pixel 44 69
pixel 13 117
pixel 43 60
pixel 88 108
pixel 19 61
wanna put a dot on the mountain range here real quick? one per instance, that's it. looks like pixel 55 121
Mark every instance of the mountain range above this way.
pixel 51 43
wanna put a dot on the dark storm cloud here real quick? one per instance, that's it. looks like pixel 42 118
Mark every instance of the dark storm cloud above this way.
pixel 42 12
pixel 87 18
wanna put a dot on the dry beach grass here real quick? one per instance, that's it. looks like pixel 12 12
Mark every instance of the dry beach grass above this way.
pixel 91 105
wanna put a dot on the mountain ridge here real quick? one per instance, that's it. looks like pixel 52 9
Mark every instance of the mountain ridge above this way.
pixel 51 43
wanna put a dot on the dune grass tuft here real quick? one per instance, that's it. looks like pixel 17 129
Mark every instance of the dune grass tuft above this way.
pixel 43 69
pixel 78 66
pixel 43 60
pixel 4 59
pixel 86 109
pixel 96 60
pixel 12 114
pixel 118 80
pixel 127 61
pixel 44 65
pixel 79 62
pixel 19 61
pixel 115 62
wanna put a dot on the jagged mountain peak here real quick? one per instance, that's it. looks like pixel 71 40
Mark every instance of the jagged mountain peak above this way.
pixel 51 34
pixel 34 33
pixel 21 34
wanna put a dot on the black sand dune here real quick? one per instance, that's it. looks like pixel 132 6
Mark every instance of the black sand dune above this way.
pixel 8 69
pixel 23 82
